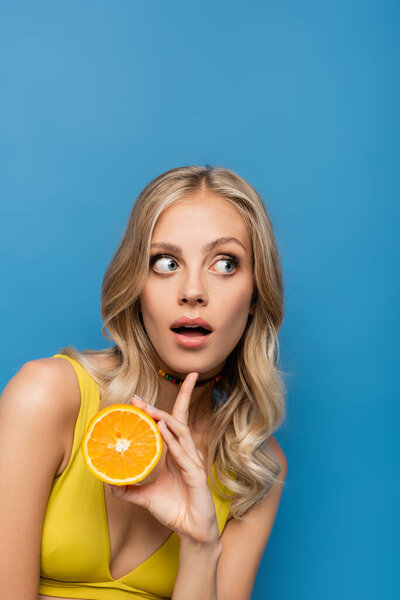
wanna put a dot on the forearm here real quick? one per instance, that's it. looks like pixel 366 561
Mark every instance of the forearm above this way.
pixel 197 571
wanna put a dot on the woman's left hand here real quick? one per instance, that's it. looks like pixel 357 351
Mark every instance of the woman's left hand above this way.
pixel 180 497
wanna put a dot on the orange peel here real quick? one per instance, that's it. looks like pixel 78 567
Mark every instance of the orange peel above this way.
pixel 122 445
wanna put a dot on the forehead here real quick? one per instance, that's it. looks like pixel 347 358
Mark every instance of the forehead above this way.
pixel 204 215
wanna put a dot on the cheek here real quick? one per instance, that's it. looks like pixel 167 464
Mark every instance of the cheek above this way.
pixel 148 302
pixel 242 315
pixel 235 308
pixel 154 305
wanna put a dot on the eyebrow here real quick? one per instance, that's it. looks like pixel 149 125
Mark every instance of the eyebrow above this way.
pixel 206 248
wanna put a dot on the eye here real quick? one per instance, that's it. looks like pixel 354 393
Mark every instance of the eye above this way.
pixel 163 263
pixel 231 262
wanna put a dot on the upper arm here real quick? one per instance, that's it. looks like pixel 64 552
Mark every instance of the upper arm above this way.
pixel 244 541
pixel 33 417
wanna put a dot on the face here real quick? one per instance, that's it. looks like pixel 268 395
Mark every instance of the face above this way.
pixel 191 280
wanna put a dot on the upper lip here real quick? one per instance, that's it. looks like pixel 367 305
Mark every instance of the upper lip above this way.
pixel 194 321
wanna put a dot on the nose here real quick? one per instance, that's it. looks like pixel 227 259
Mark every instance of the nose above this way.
pixel 192 291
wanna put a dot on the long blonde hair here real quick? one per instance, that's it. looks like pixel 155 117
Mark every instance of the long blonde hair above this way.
pixel 255 405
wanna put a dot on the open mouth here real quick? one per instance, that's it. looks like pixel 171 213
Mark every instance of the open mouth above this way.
pixel 191 331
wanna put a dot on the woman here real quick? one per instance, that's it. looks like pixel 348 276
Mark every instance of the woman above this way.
pixel 192 301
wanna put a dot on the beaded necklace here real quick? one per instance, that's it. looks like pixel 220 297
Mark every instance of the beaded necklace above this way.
pixel 199 384
pixel 205 383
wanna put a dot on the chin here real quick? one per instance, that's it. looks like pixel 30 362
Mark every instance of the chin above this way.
pixel 189 366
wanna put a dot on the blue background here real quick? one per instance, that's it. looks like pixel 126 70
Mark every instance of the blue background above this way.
pixel 301 99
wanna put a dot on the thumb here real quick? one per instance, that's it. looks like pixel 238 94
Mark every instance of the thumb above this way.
pixel 118 491
pixel 137 494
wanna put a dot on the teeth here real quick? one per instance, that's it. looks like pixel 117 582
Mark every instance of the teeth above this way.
pixel 191 327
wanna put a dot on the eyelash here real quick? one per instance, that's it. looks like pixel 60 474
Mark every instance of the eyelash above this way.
pixel 232 258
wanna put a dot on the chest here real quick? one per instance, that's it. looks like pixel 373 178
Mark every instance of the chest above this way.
pixel 91 537
pixel 134 534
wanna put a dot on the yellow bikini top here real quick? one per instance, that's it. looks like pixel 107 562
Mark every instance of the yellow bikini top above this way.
pixel 75 552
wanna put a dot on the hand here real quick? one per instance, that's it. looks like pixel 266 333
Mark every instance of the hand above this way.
pixel 180 497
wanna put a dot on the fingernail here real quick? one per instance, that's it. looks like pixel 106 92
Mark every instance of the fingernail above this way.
pixel 140 399
pixel 145 404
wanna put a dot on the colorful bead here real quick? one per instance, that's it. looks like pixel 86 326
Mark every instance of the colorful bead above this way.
pixel 177 381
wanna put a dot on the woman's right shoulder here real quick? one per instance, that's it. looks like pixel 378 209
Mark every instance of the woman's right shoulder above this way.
pixel 44 389
pixel 37 408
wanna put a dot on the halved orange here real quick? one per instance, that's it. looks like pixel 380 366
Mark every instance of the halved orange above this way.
pixel 122 444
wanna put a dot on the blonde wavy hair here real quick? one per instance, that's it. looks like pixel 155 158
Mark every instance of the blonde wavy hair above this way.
pixel 255 405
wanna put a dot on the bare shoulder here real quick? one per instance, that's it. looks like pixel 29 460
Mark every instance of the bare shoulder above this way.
pixel 48 383
pixel 244 540
pixel 44 391
pixel 37 410
pixel 281 457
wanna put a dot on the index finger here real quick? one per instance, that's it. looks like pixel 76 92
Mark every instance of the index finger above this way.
pixel 181 406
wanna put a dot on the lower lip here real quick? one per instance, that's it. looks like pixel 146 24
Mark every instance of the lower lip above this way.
pixel 191 342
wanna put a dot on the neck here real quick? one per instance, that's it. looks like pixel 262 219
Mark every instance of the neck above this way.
pixel 199 401
pixel 200 398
